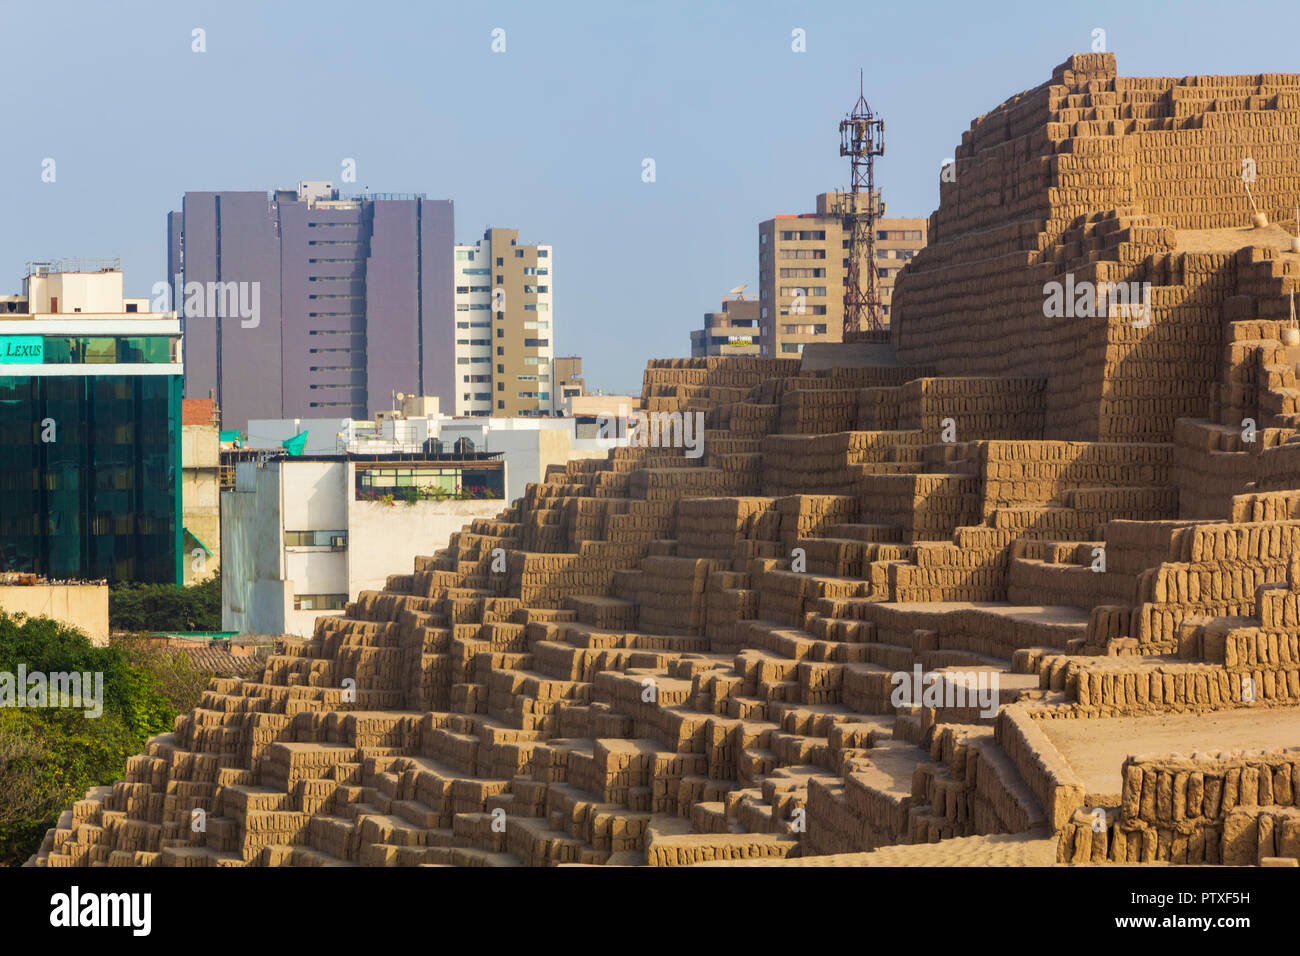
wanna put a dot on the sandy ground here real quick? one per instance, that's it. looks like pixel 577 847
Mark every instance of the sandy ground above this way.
pixel 1230 240
pixel 1035 848
pixel 1096 748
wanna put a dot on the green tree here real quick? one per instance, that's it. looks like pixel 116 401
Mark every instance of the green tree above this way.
pixel 165 607
pixel 50 756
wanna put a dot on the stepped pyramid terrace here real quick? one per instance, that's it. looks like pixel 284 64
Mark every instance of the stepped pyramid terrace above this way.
pixel 1009 584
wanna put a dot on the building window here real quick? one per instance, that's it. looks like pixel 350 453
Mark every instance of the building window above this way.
pixel 319 602
pixel 433 482
pixel 337 540
pixel 99 350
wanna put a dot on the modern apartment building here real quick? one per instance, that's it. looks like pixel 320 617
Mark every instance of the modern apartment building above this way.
pixel 733 330
pixel 802 266
pixel 504 331
pixel 527 446
pixel 302 303
pixel 303 536
pixel 90 427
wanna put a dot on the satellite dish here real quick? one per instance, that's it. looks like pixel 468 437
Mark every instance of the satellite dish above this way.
pixel 401 396
pixel 738 289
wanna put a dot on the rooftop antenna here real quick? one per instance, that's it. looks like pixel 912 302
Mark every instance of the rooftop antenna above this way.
pixel 862 139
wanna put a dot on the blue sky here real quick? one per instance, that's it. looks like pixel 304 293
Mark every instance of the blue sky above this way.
pixel 549 136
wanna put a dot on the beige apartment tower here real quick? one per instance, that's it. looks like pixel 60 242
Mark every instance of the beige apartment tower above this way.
pixel 802 265
pixel 504 334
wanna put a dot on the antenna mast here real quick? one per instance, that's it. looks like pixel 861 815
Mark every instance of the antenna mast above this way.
pixel 862 138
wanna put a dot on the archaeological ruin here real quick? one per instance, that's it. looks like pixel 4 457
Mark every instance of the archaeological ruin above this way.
pixel 1092 514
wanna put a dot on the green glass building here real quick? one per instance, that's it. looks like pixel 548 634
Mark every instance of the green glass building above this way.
pixel 90 436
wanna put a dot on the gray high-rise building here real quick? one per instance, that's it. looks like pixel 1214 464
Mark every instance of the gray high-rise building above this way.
pixel 299 304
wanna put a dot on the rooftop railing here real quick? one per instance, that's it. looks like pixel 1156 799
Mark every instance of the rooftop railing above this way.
pixel 76 264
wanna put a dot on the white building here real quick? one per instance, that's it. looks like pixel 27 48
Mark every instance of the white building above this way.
pixel 474 328
pixel 505 341
pixel 301 537
pixel 528 445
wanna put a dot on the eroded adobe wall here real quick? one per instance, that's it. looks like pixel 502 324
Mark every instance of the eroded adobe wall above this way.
pixel 1091 175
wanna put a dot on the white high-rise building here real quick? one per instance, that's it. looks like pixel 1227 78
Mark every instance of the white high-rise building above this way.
pixel 505 342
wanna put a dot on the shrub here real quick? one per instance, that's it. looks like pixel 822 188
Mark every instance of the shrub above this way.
pixel 50 756
pixel 165 607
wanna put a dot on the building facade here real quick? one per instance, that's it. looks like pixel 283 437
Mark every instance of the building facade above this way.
pixel 90 424
pixel 200 488
pixel 803 265
pixel 301 303
pixel 567 381
pixel 301 537
pixel 75 604
pixel 527 446
pixel 735 329
pixel 504 328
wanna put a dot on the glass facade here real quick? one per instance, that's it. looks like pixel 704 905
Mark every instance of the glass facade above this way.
pixel 431 481
pixel 107 349
pixel 90 474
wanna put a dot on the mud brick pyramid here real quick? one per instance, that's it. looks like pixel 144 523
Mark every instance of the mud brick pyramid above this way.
pixel 691 660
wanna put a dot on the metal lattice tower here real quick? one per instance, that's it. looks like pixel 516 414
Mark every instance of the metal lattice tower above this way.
pixel 862 138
